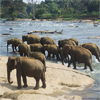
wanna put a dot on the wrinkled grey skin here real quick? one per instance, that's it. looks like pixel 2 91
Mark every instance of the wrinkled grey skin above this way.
pixel 26 66
pixel 52 49
pixel 31 39
pixel 40 56
pixel 37 47
pixel 15 42
pixel 24 49
pixel 61 43
pixel 93 48
pixel 78 54
pixel 47 40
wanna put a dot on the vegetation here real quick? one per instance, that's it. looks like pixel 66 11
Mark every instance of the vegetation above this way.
pixel 51 9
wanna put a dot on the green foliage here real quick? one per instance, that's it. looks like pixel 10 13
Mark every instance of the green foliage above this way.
pixel 50 9
pixel 12 8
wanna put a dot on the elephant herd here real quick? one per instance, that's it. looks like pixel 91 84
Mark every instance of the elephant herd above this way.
pixel 34 65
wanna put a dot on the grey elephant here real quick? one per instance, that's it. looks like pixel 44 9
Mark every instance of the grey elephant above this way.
pixel 61 43
pixel 52 49
pixel 78 54
pixel 26 66
pixel 93 48
pixel 24 49
pixel 47 40
pixel 40 56
pixel 31 39
pixel 15 42
pixel 37 47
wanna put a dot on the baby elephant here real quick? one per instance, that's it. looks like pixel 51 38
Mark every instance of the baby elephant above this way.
pixel 26 66
pixel 40 56
pixel 78 54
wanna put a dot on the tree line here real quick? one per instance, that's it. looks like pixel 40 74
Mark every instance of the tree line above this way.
pixel 50 9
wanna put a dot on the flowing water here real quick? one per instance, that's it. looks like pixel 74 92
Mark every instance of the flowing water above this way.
pixel 19 28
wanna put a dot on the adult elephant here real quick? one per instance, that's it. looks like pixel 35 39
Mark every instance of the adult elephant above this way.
pixel 15 42
pixel 93 48
pixel 24 49
pixel 26 66
pixel 31 39
pixel 78 54
pixel 52 49
pixel 37 47
pixel 61 43
pixel 40 56
pixel 75 40
pixel 47 40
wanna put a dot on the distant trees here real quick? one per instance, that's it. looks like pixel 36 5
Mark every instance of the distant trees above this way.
pixel 13 9
pixel 50 9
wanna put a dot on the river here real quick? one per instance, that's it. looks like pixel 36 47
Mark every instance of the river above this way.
pixel 82 32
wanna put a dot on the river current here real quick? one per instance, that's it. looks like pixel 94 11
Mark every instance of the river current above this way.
pixel 79 30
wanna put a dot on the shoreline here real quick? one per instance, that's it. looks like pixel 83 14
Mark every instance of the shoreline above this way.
pixel 60 81
pixel 74 20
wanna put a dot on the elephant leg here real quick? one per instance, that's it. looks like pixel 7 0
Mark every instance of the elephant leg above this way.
pixel 15 48
pixel 85 66
pixel 24 80
pixel 97 57
pixel 89 64
pixel 21 54
pixel 19 78
pixel 37 84
pixel 43 80
pixel 69 63
pixel 48 57
pixel 53 55
pixel 74 64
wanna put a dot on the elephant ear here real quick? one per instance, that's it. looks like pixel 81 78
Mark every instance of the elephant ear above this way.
pixel 16 62
pixel 68 48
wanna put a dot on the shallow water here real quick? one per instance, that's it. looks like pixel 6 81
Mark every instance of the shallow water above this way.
pixel 19 28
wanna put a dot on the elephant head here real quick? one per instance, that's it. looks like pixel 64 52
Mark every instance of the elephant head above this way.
pixel 9 42
pixel 24 38
pixel 60 42
pixel 10 66
pixel 64 51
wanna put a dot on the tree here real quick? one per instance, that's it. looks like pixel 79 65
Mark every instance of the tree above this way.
pixel 12 8
pixel 32 7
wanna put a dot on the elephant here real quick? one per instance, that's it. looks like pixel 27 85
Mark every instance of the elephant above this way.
pixel 40 56
pixel 37 47
pixel 75 40
pixel 47 40
pixel 78 54
pixel 52 49
pixel 61 43
pixel 26 66
pixel 24 49
pixel 15 42
pixel 93 48
pixel 31 39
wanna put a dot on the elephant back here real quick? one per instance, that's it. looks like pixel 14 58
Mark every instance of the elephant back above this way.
pixel 36 47
pixel 47 40
pixel 75 40
pixel 33 39
pixel 17 41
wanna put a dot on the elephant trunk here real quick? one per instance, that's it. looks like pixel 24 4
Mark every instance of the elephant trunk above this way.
pixel 8 75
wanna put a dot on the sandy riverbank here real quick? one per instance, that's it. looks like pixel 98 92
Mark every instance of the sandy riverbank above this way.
pixel 59 79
